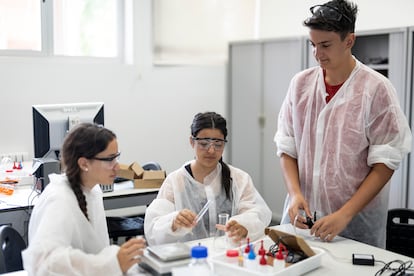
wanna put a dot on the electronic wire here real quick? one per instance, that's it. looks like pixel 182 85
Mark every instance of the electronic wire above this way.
pixel 400 270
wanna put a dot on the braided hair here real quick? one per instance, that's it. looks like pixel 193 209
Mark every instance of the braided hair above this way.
pixel 85 140
pixel 215 121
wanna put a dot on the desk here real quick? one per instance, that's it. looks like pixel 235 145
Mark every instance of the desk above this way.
pixel 335 261
pixel 15 209
pixel 125 196
pixel 337 258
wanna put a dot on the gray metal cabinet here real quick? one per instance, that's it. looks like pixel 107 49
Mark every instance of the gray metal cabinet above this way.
pixel 259 76
pixel 410 92
pixel 386 52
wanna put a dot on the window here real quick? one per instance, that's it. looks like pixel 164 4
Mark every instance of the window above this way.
pixel 20 27
pixel 88 28
pixel 189 32
pixel 85 28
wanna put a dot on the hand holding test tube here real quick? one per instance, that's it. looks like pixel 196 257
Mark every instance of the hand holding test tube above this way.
pixel 184 216
pixel 203 211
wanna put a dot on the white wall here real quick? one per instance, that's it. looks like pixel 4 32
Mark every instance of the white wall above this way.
pixel 150 108
pixel 284 18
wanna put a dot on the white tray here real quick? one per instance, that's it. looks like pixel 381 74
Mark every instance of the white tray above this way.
pixel 222 267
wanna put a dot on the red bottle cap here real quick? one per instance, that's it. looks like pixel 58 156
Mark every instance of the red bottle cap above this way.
pixel 232 253
pixel 263 260
pixel 262 251
pixel 279 255
pixel 247 248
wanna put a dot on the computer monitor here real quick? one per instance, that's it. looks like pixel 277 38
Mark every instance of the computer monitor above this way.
pixel 52 122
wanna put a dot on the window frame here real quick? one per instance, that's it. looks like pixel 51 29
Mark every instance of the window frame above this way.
pixel 47 38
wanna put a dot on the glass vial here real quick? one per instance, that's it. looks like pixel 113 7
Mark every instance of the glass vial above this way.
pixel 220 238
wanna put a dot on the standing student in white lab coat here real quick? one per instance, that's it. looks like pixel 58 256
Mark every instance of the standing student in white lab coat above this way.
pixel 341 135
pixel 172 215
pixel 68 234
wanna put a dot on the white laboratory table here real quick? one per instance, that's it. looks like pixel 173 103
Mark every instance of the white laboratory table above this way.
pixel 15 208
pixel 124 200
pixel 22 197
pixel 337 256
pixel 336 260
pixel 123 195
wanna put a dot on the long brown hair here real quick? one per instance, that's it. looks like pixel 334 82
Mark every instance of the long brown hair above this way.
pixel 85 140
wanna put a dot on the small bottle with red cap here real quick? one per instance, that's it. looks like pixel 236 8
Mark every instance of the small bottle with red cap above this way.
pixel 232 256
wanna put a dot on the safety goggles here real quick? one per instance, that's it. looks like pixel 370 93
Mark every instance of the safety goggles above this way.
pixel 328 13
pixel 206 143
pixel 110 161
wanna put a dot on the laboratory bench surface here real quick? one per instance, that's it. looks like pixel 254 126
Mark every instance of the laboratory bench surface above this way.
pixel 24 197
pixel 336 258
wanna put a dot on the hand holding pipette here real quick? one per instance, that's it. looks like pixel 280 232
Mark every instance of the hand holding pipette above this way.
pixel 202 211
pixel 184 219
pixel 188 219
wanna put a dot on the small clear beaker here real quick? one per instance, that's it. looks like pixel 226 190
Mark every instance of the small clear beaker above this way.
pixel 220 238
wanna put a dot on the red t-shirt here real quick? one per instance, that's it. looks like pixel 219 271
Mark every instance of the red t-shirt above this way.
pixel 330 89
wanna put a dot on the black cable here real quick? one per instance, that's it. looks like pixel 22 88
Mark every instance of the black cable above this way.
pixel 401 270
pixel 273 249
pixel 292 256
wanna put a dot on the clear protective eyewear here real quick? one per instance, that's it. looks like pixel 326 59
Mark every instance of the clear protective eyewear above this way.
pixel 111 161
pixel 206 143
pixel 328 12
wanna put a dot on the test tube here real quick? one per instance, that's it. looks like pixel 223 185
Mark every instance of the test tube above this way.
pixel 203 211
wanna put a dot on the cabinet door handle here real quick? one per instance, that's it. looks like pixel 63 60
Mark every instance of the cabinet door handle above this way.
pixel 262 120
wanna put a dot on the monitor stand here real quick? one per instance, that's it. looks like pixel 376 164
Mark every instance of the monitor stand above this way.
pixel 42 167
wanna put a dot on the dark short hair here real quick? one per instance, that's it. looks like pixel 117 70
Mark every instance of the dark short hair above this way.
pixel 345 25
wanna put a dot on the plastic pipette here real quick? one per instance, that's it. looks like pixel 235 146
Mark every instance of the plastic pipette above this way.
pixel 202 211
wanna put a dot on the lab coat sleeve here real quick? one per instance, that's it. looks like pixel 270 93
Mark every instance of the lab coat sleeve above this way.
pixel 389 144
pixel 46 259
pixel 284 137
pixel 159 217
pixel 252 211
pixel 50 251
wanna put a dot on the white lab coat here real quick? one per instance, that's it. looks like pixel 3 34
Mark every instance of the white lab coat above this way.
pixel 180 190
pixel 62 241
pixel 336 143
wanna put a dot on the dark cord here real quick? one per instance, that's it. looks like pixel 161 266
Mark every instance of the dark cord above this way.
pixel 294 255
pixel 397 267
